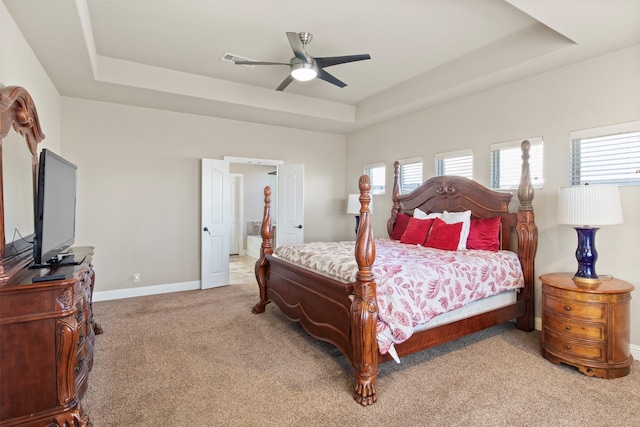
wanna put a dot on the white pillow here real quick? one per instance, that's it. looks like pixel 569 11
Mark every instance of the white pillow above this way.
pixel 417 213
pixel 465 219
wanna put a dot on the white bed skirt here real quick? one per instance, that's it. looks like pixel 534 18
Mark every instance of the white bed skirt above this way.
pixel 476 307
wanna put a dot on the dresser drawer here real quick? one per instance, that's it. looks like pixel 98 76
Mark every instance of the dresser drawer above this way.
pixel 81 371
pixel 574 329
pixel 81 345
pixel 593 312
pixel 595 351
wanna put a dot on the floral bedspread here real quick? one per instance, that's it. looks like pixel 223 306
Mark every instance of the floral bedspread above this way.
pixel 414 283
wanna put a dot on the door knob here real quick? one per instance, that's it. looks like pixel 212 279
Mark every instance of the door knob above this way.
pixel 207 230
pixel 297 226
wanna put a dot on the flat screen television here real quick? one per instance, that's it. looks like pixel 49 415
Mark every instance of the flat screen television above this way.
pixel 55 217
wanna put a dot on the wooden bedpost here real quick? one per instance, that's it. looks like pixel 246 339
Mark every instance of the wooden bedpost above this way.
pixel 364 309
pixel 265 249
pixel 527 238
pixel 394 198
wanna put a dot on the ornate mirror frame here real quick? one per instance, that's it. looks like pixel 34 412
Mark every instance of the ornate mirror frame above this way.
pixel 17 110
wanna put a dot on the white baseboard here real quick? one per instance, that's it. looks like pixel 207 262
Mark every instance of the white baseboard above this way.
pixel 145 290
pixel 635 351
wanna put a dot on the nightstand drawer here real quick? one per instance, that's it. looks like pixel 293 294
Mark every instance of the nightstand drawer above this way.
pixel 573 329
pixel 593 312
pixel 595 352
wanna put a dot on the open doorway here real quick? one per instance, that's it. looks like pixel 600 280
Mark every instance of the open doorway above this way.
pixel 287 212
pixel 247 208
pixel 241 269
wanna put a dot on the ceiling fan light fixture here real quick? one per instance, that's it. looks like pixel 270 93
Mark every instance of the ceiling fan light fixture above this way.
pixel 304 67
pixel 303 71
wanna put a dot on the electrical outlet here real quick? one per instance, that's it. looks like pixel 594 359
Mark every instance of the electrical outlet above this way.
pixel 136 278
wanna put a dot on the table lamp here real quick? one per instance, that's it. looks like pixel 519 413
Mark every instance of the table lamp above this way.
pixel 585 206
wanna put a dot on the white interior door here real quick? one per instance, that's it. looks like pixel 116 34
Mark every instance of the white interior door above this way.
pixel 215 223
pixel 290 195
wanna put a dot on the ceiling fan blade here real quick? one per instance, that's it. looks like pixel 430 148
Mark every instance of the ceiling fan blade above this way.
pixel 323 75
pixel 285 83
pixel 296 45
pixel 260 63
pixel 335 60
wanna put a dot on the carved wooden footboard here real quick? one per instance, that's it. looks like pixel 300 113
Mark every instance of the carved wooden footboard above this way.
pixel 346 315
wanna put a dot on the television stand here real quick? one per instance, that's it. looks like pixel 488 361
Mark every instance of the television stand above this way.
pixel 47 339
pixel 61 260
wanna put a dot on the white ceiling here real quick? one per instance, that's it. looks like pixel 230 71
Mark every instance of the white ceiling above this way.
pixel 166 53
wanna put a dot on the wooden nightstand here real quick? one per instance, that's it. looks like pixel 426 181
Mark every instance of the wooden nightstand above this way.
pixel 586 326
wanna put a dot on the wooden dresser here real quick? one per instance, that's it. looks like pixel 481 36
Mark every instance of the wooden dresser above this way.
pixel 587 326
pixel 47 335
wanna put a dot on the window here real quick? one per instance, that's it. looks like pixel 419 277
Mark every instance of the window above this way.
pixel 458 163
pixel 606 155
pixel 377 175
pixel 410 174
pixel 506 164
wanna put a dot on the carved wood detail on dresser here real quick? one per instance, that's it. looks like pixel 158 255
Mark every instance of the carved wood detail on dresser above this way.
pixel 47 333
pixel 587 326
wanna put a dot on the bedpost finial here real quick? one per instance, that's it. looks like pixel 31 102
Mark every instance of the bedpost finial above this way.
pixel 525 190
pixel 394 197
pixel 364 183
pixel 365 187
pixel 396 171
pixel 266 232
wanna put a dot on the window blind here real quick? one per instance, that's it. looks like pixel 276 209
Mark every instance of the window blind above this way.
pixel 410 175
pixel 605 159
pixel 377 175
pixel 458 163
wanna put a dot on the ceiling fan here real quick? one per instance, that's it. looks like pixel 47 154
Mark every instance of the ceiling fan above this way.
pixel 304 67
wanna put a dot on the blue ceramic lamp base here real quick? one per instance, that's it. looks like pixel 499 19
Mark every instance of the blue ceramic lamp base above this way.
pixel 586 255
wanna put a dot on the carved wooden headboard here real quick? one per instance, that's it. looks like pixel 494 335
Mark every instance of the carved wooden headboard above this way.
pixel 456 194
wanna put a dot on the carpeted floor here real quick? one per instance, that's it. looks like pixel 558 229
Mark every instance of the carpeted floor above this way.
pixel 201 358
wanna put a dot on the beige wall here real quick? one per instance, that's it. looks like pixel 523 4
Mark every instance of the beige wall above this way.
pixel 20 67
pixel 598 92
pixel 139 184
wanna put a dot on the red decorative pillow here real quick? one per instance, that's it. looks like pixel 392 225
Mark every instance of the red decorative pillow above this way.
pixel 402 220
pixel 444 236
pixel 484 234
pixel 417 231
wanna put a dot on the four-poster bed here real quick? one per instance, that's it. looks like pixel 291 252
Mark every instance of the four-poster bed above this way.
pixel 348 313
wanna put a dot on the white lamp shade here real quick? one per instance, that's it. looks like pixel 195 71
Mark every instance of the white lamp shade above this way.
pixel 353 204
pixel 589 205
